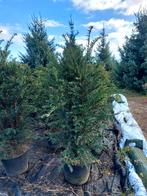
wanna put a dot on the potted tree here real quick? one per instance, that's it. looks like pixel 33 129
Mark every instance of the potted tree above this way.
pixel 15 107
pixel 83 110
pixel 46 99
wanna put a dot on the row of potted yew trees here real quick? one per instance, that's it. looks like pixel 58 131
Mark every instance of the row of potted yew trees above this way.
pixel 70 96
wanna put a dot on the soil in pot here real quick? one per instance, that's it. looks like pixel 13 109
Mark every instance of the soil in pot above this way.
pixel 78 176
pixel 17 165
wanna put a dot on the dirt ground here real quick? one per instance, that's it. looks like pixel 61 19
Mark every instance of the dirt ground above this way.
pixel 138 107
pixel 45 175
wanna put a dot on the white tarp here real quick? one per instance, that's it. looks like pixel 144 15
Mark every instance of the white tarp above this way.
pixel 129 128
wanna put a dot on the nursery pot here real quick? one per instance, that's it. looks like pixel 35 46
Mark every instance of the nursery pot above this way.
pixel 17 165
pixel 76 175
pixel 51 145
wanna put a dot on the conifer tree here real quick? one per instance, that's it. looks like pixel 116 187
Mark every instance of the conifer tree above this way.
pixel 132 71
pixel 84 102
pixel 39 51
pixel 103 54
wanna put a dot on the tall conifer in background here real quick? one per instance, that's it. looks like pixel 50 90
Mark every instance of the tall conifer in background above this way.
pixel 103 54
pixel 132 71
pixel 39 50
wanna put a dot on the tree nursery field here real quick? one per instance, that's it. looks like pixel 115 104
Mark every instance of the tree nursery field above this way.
pixel 66 129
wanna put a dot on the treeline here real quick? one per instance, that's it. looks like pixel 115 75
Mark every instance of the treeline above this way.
pixel 130 72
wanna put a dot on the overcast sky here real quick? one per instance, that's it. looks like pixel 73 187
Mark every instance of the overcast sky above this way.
pixel 116 15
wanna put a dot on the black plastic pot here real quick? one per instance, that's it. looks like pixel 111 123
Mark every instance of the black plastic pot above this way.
pixel 78 176
pixel 16 166
pixel 52 146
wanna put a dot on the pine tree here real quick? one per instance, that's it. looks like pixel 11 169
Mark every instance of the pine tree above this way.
pixel 103 54
pixel 132 71
pixel 39 51
pixel 84 103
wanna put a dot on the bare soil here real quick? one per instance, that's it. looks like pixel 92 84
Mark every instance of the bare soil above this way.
pixel 138 107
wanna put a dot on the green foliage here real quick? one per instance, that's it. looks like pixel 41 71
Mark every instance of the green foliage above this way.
pixel 132 71
pixel 15 106
pixel 45 88
pixel 103 54
pixel 39 51
pixel 84 108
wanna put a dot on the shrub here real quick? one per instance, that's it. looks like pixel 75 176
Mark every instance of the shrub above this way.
pixel 15 107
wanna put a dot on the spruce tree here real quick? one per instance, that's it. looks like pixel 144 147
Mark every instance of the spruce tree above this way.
pixel 83 111
pixel 132 71
pixel 39 51
pixel 103 54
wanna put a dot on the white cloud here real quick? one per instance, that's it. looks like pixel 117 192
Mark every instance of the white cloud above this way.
pixel 127 7
pixel 60 45
pixel 8 31
pixel 118 29
pixel 52 23
pixel 116 39
pixel 5 34
pixel 18 39
pixel 117 36
pixel 93 5
pixel 109 24
pixel 59 50
pixel 133 6
pixel 17 42
pixel 50 37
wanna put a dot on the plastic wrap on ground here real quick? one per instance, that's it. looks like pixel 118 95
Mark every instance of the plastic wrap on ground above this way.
pixel 129 128
pixel 135 181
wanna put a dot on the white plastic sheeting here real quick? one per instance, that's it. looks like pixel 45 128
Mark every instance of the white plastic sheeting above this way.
pixel 135 181
pixel 129 129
